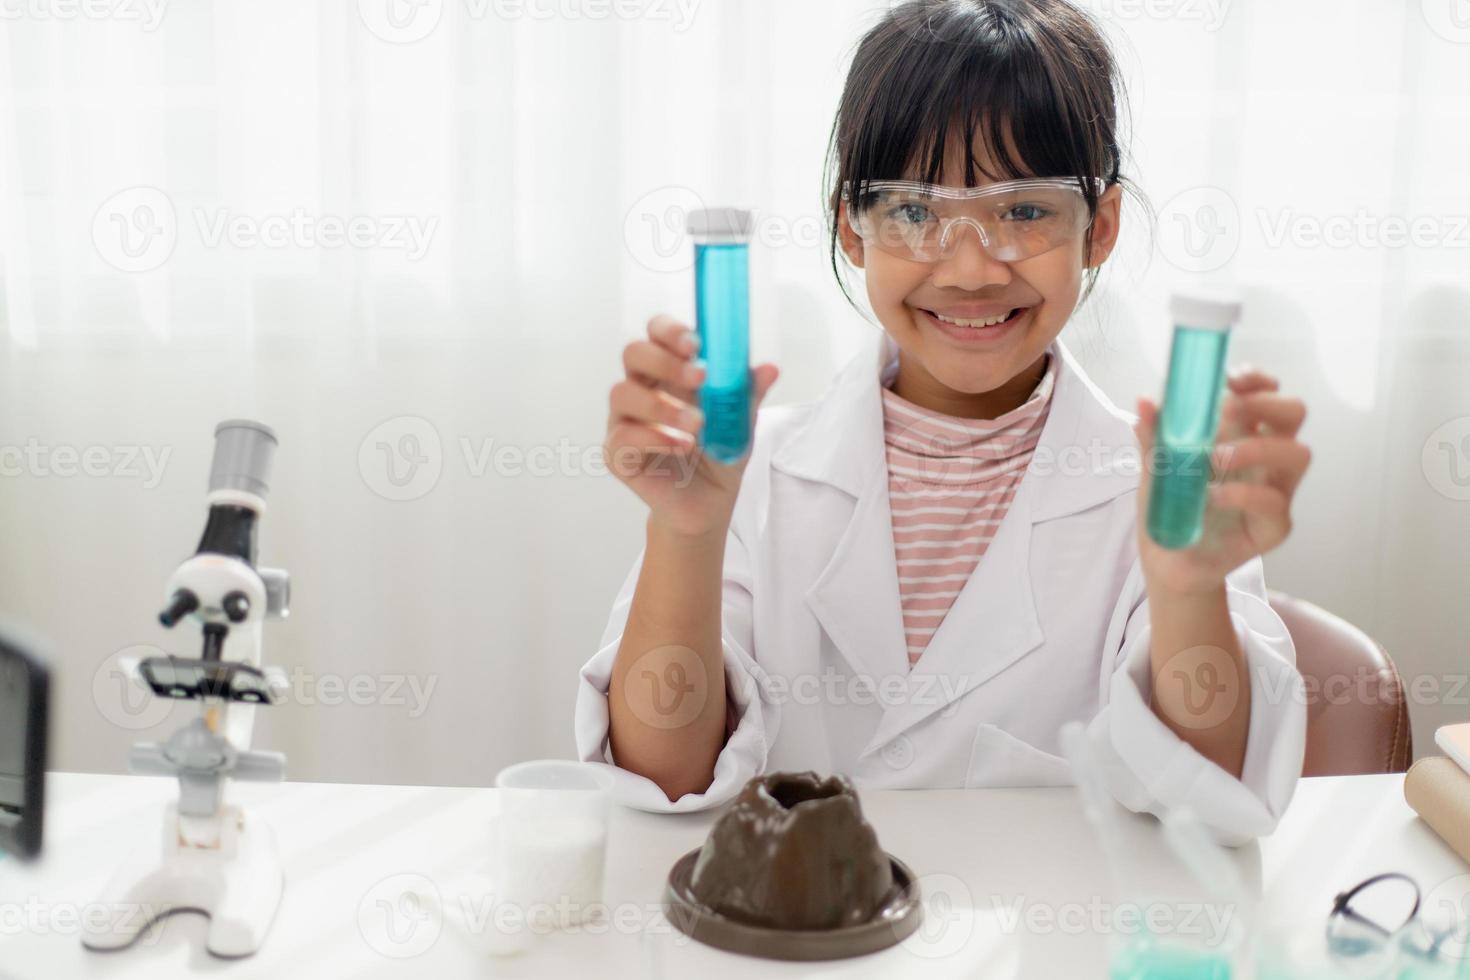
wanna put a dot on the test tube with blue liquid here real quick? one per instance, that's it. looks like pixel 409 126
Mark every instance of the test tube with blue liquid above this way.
pixel 722 321
pixel 1189 417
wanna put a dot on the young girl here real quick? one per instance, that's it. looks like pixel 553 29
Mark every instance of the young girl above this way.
pixel 918 579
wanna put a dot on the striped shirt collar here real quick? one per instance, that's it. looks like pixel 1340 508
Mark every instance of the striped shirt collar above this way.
pixel 913 429
pixel 838 439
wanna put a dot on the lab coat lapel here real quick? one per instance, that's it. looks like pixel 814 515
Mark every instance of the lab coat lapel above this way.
pixel 855 597
pixel 991 625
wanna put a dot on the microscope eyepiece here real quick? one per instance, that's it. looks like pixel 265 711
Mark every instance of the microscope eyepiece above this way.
pixel 182 604
pixel 243 450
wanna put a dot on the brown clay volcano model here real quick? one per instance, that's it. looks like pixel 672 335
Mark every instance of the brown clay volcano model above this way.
pixel 794 852
pixel 792 871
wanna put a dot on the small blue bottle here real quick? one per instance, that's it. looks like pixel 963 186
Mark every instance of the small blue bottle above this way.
pixel 722 320
pixel 1189 418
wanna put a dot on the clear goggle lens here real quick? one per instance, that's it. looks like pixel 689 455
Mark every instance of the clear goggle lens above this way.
pixel 1014 220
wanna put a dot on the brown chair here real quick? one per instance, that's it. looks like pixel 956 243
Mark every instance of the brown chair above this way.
pixel 1357 714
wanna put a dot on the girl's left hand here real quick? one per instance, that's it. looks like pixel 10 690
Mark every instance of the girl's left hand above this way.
pixel 1258 428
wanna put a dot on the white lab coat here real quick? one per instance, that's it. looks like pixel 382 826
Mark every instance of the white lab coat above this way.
pixel 1053 625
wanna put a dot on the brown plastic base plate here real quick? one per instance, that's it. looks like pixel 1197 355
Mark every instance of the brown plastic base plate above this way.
pixel 895 922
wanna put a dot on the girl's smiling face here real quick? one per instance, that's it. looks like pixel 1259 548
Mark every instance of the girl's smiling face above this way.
pixel 958 370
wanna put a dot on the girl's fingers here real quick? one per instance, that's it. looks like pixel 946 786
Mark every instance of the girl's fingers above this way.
pixel 673 336
pixel 1144 427
pixel 629 442
pixel 632 401
pixel 654 364
pixel 1262 500
pixel 765 376
pixel 1256 498
pixel 1285 459
pixel 1246 379
pixel 1281 415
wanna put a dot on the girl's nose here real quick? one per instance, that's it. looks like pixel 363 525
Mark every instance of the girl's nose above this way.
pixel 969 266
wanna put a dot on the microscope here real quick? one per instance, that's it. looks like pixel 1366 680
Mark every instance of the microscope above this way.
pixel 214 857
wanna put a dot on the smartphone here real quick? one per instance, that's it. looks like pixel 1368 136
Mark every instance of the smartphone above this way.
pixel 25 688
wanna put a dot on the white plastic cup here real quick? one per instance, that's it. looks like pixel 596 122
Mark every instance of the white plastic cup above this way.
pixel 550 839
pixel 548 849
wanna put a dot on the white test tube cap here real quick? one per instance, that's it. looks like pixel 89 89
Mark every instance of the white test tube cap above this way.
pixel 721 226
pixel 1205 309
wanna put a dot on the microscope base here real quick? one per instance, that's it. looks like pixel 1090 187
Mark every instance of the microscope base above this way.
pixel 238 885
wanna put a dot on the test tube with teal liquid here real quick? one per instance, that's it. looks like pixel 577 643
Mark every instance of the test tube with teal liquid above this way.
pixel 722 321
pixel 1189 417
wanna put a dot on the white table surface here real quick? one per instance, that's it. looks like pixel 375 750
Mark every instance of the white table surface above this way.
pixel 350 850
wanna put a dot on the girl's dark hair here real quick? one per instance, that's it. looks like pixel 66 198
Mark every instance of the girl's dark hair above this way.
pixel 1040 69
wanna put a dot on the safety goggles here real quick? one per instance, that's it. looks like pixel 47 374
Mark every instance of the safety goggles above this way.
pixel 1014 219
pixel 1377 925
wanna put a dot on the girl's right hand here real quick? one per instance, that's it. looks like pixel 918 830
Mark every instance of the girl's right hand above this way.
pixel 652 430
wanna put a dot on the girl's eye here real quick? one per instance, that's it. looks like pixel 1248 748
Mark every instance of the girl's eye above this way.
pixel 912 213
pixel 1027 212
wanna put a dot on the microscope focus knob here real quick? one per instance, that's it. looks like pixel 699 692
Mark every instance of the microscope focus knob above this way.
pixel 236 606
pixel 182 604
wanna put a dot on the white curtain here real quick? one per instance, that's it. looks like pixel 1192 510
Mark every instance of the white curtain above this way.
pixel 413 237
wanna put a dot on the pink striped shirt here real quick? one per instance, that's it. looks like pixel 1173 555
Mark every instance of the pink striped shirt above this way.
pixel 950 482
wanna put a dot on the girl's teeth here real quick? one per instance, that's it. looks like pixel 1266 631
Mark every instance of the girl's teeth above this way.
pixel 990 322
